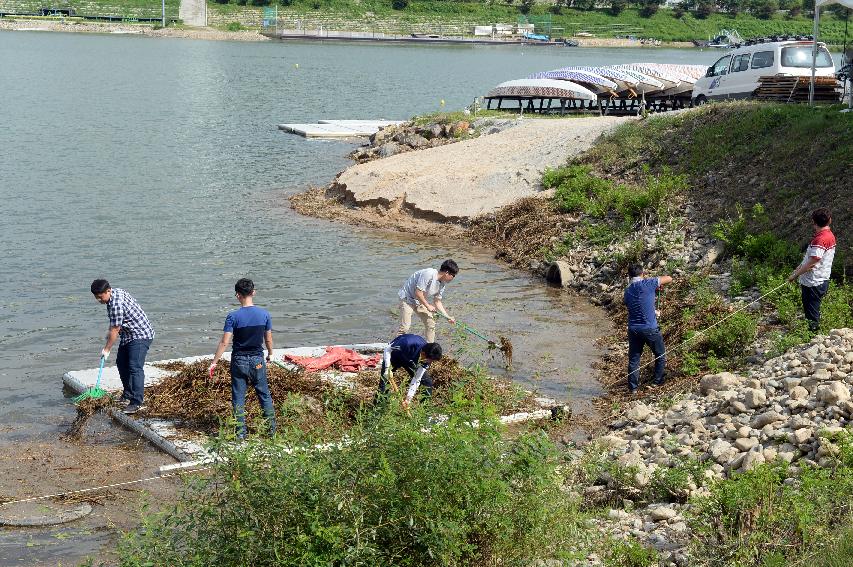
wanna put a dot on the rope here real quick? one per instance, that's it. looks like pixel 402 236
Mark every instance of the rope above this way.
pixel 114 485
pixel 703 331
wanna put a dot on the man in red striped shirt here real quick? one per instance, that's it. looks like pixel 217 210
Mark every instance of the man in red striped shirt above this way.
pixel 814 271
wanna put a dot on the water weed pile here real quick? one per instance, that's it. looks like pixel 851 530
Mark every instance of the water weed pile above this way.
pixel 85 410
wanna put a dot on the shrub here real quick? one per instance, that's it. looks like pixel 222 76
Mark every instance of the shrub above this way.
pixel 759 515
pixel 234 26
pixel 393 494
pixel 399 4
pixel 705 8
pixel 617 6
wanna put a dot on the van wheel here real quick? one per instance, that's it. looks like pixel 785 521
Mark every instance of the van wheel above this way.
pixel 700 100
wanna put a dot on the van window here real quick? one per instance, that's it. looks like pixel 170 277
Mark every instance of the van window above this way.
pixel 762 59
pixel 721 67
pixel 740 63
pixel 802 57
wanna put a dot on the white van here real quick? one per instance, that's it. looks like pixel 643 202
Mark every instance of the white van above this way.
pixel 736 74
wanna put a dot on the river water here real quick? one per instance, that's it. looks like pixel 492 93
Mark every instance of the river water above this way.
pixel 156 163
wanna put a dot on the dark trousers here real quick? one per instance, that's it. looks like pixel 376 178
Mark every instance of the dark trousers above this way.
pixel 637 340
pixel 384 387
pixel 130 361
pixel 249 370
pixel 812 297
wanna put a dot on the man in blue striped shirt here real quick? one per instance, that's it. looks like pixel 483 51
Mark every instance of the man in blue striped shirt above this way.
pixel 130 325
pixel 250 327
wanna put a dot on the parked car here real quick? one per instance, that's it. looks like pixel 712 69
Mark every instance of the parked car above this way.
pixel 736 74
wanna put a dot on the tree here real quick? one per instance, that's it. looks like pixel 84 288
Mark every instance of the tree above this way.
pixel 526 5
pixel 705 8
pixel 648 8
pixel 733 7
pixel 585 5
pixel 679 10
pixel 764 9
pixel 618 6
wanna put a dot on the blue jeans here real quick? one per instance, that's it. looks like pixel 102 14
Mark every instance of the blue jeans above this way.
pixel 130 361
pixel 637 340
pixel 246 370
pixel 812 296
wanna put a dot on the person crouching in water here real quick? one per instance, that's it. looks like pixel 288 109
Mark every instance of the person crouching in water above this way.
pixel 414 354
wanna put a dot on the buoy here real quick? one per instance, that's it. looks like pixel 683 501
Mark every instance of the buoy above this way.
pixel 442 102
pixel 296 65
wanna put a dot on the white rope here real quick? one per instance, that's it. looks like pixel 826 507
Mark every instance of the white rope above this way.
pixel 95 488
pixel 703 331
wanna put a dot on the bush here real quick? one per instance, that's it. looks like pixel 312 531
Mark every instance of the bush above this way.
pixel 617 6
pixel 234 26
pixel 393 494
pixel 399 4
pixel 649 8
pixel 756 516
pixel 705 8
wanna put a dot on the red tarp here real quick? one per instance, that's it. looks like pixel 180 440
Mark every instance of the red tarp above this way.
pixel 344 359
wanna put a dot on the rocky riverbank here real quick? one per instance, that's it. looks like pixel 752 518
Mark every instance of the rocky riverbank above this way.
pixel 791 410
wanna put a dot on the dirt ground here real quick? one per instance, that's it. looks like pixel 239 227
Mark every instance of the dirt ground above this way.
pixel 48 464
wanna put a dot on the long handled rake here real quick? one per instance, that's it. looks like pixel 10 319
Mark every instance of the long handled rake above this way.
pixel 96 391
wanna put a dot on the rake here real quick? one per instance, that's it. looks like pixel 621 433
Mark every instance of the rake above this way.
pixel 96 391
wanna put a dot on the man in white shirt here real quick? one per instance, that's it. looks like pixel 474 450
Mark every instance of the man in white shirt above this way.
pixel 416 293
pixel 814 271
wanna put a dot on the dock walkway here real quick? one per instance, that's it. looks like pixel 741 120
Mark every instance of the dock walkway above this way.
pixel 338 128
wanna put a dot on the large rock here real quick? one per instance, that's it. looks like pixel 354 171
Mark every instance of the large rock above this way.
pixel 755 398
pixel 766 418
pixel 388 149
pixel 638 412
pixel 833 393
pixel 718 382
pixel 662 513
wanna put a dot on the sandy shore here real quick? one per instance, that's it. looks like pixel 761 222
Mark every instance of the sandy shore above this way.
pixel 421 191
pixel 129 29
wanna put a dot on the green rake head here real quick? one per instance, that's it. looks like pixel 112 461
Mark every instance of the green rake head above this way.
pixel 93 393
pixel 96 391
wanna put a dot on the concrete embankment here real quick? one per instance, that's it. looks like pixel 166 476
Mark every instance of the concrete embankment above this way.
pixel 129 29
pixel 459 181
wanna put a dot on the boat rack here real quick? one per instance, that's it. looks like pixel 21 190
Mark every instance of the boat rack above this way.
pixel 603 106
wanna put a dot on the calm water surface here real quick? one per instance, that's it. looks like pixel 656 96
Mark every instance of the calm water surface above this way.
pixel 157 164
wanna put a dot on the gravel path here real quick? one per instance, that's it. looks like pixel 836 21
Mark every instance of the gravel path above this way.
pixel 466 179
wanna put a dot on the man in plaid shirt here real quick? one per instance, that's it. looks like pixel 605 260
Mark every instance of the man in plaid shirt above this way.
pixel 130 325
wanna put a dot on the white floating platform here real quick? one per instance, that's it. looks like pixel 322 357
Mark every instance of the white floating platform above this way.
pixel 338 128
pixel 181 443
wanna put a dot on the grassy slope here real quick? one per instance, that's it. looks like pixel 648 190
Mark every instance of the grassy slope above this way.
pixel 790 158
pixel 661 26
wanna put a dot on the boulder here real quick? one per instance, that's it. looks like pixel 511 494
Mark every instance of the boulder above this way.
pixel 662 513
pixel 718 382
pixel 833 393
pixel 638 412
pixel 746 443
pixel 389 149
pixel 798 393
pixel 766 418
pixel 755 398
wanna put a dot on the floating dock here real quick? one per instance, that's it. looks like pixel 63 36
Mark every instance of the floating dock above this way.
pixel 187 446
pixel 181 443
pixel 338 128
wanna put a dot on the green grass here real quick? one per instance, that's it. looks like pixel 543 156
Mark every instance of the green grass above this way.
pixel 663 25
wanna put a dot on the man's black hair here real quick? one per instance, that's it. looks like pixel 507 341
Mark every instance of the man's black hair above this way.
pixel 432 351
pixel 635 270
pixel 244 287
pixel 450 267
pixel 821 217
pixel 99 286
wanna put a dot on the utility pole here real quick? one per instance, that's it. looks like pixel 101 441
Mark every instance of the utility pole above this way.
pixel 164 13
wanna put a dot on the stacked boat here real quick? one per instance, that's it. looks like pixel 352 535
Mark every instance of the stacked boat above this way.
pixel 625 81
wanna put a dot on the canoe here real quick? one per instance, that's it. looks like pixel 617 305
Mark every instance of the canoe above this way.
pixel 541 88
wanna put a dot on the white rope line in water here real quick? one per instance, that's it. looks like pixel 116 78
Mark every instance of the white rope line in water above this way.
pixel 703 331
pixel 94 488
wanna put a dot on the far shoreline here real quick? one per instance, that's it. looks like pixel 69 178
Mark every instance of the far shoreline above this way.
pixel 214 34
